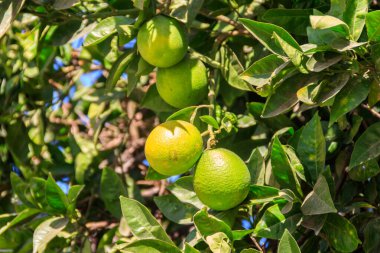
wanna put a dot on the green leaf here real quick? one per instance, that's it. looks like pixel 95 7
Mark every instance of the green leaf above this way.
pixel 105 28
pixel 22 216
pixel 46 231
pixel 8 12
pixel 207 225
pixel 331 86
pixel 374 93
pixel 295 162
pixel 140 4
pixel 174 209
pixel 183 114
pixel 250 250
pixel 322 61
pixel 256 166
pixel 154 102
pixel 281 168
pixel 314 222
pixel 185 11
pixel 311 149
pixel 263 32
pixel 340 233
pixel 82 165
pixel 284 96
pixel 72 196
pixel 240 234
pixel 74 192
pixel 355 92
pixel 21 189
pixel 231 68
pixel 337 7
pixel 141 222
pixel 17 140
pixel 183 189
pixel 219 243
pixel 263 70
pixel 150 246
pixel 154 175
pixel 276 123
pixel 288 244
pixel 295 54
pixel 39 197
pixel 210 121
pixel 319 200
pixel 367 147
pixel 372 23
pixel 111 188
pixel 294 21
pixel 134 69
pixel 64 4
pixel 190 249
pixel 273 223
pixel 355 15
pixel 372 236
pixel 260 194
pixel 364 171
pixel 328 30
pixel 55 197
pixel 118 69
pixel 330 23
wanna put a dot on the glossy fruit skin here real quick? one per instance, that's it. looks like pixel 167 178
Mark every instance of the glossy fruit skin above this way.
pixel 184 84
pixel 221 179
pixel 162 41
pixel 173 147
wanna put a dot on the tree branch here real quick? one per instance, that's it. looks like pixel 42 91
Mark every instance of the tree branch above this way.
pixel 372 111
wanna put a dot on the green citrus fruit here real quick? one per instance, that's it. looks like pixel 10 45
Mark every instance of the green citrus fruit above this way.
pixel 162 41
pixel 221 179
pixel 184 84
pixel 173 147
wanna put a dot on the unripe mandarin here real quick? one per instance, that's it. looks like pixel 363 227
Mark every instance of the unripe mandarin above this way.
pixel 173 147
pixel 221 179
pixel 162 41
pixel 184 84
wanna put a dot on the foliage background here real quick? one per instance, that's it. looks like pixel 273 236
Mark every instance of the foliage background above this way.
pixel 295 95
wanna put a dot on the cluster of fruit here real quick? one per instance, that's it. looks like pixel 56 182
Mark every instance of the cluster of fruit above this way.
pixel 221 178
pixel 181 80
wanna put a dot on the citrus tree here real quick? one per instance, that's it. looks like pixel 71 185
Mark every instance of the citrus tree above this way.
pixel 189 126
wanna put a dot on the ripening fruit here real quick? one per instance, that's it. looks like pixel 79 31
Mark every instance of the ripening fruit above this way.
pixel 173 147
pixel 221 179
pixel 162 42
pixel 184 84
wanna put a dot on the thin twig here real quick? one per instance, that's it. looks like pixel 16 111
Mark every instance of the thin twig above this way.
pixel 205 133
pixel 221 18
pixel 372 111
pixel 257 244
pixel 211 98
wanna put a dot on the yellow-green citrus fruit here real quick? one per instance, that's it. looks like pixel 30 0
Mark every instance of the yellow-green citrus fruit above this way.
pixel 221 179
pixel 173 147
pixel 162 42
pixel 184 84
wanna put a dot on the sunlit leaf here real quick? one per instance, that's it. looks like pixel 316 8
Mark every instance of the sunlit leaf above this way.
pixel 141 222
pixel 46 231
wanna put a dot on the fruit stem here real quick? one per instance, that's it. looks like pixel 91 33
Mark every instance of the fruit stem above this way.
pixel 211 98
pixel 194 114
